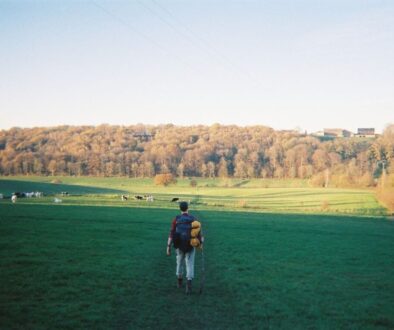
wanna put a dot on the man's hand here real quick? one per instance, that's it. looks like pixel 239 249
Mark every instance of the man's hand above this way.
pixel 168 250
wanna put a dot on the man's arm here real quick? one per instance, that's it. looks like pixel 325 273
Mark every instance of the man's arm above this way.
pixel 201 238
pixel 170 236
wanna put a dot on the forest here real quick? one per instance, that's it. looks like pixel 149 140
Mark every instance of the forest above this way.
pixel 196 151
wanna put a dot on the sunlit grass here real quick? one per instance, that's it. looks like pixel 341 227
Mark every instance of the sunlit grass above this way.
pixel 211 195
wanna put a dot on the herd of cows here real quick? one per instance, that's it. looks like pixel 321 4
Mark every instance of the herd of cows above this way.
pixel 148 198
pixel 38 194
pixel 14 196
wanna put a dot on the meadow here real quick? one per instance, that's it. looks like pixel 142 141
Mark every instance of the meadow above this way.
pixel 257 195
pixel 94 261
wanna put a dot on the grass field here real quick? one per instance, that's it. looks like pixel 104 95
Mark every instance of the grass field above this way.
pixel 254 195
pixel 95 262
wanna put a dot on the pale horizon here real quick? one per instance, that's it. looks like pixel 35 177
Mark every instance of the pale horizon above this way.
pixel 300 129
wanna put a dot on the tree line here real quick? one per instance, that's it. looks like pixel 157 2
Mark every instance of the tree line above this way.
pixel 195 151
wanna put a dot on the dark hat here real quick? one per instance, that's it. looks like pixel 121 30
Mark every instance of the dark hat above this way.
pixel 183 206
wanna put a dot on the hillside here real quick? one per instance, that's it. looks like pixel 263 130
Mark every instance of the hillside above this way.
pixel 201 151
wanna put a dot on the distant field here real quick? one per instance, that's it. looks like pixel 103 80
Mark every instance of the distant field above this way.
pixel 258 195
pixel 129 184
pixel 104 267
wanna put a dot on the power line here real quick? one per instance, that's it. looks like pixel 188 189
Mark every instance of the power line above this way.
pixel 206 45
pixel 143 35
pixel 172 26
pixel 203 44
pixel 163 19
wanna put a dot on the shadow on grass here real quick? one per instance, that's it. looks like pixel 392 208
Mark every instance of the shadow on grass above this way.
pixel 7 187
pixel 240 184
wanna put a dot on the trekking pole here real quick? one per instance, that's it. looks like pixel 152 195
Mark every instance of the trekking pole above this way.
pixel 202 279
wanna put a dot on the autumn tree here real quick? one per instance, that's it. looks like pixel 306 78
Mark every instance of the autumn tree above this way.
pixel 209 151
pixel 223 169
pixel 164 179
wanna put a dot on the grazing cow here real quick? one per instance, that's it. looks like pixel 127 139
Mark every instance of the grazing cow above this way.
pixel 175 199
pixel 38 194
pixel 57 200
pixel 124 198
pixel 29 194
pixel 14 198
pixel 138 197
pixel 149 198
pixel 65 193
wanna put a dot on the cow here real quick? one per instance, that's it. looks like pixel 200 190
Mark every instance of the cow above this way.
pixel 14 198
pixel 138 197
pixel 29 194
pixel 1 196
pixel 175 199
pixel 57 200
pixel 149 198
pixel 65 193
pixel 124 198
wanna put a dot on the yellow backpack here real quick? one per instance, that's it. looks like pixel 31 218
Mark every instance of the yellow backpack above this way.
pixel 196 228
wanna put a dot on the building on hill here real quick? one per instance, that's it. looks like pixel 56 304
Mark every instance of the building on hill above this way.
pixel 143 136
pixel 366 133
pixel 337 132
pixel 318 133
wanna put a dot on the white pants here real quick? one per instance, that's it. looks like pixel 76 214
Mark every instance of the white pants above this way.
pixel 188 257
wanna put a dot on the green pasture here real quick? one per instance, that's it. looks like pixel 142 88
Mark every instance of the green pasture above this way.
pixel 258 195
pixel 73 266
pixel 129 184
pixel 277 255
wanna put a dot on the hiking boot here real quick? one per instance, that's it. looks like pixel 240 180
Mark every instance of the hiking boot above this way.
pixel 179 285
pixel 189 287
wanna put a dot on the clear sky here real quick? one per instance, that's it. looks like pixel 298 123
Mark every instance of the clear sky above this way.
pixel 281 63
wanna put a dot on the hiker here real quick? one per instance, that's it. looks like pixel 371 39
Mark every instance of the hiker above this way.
pixel 185 235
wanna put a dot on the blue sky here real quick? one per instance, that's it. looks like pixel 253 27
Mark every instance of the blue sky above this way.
pixel 284 64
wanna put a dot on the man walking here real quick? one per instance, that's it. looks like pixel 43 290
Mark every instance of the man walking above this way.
pixel 185 235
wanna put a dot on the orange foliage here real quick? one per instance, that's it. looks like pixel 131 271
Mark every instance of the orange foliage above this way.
pixel 386 197
pixel 164 179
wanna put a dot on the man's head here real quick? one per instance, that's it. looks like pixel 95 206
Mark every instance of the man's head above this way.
pixel 183 206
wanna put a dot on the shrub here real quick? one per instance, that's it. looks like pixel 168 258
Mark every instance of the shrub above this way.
pixel 193 183
pixel 366 180
pixel 325 205
pixel 242 203
pixel 390 181
pixel 164 179
pixel 386 197
pixel 318 180
pixel 341 181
